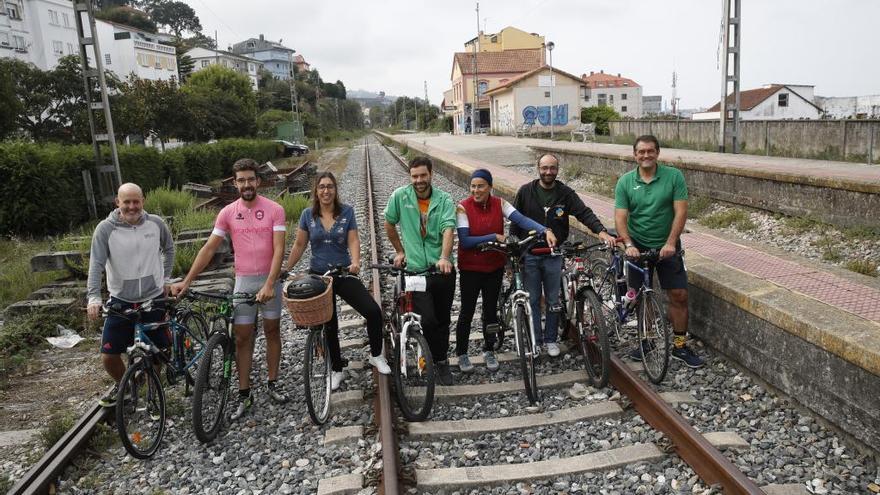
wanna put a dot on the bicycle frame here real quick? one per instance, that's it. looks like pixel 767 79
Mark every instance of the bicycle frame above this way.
pixel 143 342
pixel 620 266
pixel 406 316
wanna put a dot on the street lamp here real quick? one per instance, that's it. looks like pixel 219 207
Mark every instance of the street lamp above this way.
pixel 550 47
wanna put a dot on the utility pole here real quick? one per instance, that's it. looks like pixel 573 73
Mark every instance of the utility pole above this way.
pixel 426 104
pixel 476 76
pixel 294 101
pixel 674 96
pixel 216 49
pixel 730 21
pixel 416 107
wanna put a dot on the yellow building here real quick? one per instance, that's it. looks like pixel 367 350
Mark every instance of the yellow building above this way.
pixel 509 38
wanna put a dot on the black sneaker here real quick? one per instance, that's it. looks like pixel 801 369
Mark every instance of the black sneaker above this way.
pixel 444 374
pixel 275 393
pixel 688 357
pixel 109 400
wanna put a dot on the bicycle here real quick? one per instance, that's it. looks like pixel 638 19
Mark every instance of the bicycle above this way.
pixel 582 309
pixel 411 362
pixel 317 365
pixel 211 391
pixel 515 311
pixel 652 331
pixel 140 391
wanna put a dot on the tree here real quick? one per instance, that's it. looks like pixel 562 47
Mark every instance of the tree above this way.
pixel 268 121
pixel 221 102
pixel 600 116
pixel 151 108
pixel 9 103
pixel 176 16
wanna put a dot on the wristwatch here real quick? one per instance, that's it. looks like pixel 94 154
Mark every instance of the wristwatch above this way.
pixel 629 244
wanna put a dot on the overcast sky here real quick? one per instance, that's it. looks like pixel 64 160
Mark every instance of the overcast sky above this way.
pixel 396 45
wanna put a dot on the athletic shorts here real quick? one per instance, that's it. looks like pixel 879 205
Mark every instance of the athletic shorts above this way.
pixel 671 271
pixel 118 334
pixel 246 314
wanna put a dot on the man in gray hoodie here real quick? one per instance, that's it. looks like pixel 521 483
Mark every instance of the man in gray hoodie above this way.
pixel 137 251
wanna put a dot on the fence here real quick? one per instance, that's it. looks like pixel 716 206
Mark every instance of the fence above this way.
pixel 847 140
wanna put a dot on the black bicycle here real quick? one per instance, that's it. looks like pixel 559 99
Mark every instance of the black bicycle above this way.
pixel 582 310
pixel 140 399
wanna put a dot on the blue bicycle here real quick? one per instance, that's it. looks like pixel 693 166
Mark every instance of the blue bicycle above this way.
pixel 140 399
pixel 620 303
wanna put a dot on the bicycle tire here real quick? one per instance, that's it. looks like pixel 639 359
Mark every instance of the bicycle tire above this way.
pixel 654 337
pixel 415 391
pixel 192 342
pixel 316 376
pixel 213 377
pixel 526 354
pixel 140 397
pixel 567 298
pixel 593 338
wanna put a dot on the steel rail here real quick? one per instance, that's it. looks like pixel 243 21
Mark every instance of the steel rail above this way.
pixel 38 478
pixel 389 483
pixel 707 461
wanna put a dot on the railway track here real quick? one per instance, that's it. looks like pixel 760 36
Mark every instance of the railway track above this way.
pixel 482 436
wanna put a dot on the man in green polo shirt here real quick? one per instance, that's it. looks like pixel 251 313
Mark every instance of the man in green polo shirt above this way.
pixel 426 217
pixel 650 205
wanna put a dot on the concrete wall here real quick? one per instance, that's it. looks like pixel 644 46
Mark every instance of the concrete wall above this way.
pixel 824 139
pixel 841 205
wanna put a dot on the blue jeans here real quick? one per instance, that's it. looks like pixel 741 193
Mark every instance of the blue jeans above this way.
pixel 543 271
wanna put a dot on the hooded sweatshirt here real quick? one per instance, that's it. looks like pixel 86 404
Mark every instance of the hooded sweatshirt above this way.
pixel 138 258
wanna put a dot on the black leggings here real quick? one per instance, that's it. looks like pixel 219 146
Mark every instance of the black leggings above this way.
pixel 472 284
pixel 351 290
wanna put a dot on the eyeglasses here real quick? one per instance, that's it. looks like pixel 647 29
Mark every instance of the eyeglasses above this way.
pixel 249 180
pixel 548 169
pixel 326 187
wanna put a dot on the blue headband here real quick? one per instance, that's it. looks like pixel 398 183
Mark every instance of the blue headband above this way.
pixel 482 173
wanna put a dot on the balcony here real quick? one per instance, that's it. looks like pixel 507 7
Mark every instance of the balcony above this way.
pixel 155 47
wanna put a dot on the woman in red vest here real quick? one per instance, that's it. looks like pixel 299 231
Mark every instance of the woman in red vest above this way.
pixel 480 218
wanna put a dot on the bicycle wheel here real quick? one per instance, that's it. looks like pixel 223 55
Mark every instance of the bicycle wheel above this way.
pixel 316 376
pixel 191 342
pixel 211 390
pixel 505 317
pixel 593 338
pixel 654 337
pixel 414 384
pixel 526 354
pixel 567 325
pixel 140 409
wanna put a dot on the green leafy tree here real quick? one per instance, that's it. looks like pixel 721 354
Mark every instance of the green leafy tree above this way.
pixel 152 108
pixel 268 121
pixel 600 116
pixel 221 102
pixel 9 103
pixel 178 17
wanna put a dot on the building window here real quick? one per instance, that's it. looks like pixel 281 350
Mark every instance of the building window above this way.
pixel 622 96
pixel 482 87
pixel 107 58
pixel 611 98
pixel 546 94
pixel 625 83
pixel 57 48
pixel 53 17
pixel 66 19
pixel 602 99
pixel 600 85
pixel 13 9
pixel 250 67
pixel 70 49
pixel 623 109
pixel 206 63
pixel 783 99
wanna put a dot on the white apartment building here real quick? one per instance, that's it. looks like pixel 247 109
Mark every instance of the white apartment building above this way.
pixel 129 50
pixel 37 31
pixel 621 93
pixel 206 57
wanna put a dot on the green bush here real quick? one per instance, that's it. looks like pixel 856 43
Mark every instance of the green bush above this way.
pixel 168 202
pixel 43 185
pixel 293 205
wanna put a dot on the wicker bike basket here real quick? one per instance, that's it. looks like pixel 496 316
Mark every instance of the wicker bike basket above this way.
pixel 314 310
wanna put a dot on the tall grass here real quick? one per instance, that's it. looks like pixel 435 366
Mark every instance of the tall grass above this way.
pixel 194 220
pixel 169 202
pixel 184 256
pixel 293 205
pixel 16 278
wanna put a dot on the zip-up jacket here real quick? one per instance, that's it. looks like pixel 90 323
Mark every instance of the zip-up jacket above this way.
pixel 403 209
pixel 565 202
pixel 138 258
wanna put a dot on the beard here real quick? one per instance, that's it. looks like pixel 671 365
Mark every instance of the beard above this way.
pixel 248 194
pixel 548 179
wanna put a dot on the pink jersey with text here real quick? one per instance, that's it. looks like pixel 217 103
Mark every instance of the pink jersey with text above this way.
pixel 251 230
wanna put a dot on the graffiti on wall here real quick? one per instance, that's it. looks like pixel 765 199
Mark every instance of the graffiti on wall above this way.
pixel 542 114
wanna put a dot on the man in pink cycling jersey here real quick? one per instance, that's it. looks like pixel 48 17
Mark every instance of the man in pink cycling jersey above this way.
pixel 257 228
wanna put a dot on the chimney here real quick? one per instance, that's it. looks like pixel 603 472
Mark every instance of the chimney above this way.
pixel 618 74
pixel 602 71
pixel 591 73
pixel 262 38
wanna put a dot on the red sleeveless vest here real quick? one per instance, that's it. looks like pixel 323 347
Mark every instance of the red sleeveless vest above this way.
pixel 482 219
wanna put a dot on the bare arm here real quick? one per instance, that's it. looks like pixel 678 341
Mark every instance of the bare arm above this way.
pixel 268 290
pixel 680 208
pixel 299 247
pixel 444 264
pixel 354 249
pixel 621 215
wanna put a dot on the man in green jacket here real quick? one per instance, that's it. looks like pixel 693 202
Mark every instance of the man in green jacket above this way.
pixel 426 216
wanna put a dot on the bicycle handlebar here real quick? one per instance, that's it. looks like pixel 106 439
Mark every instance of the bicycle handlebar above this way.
pixel 431 270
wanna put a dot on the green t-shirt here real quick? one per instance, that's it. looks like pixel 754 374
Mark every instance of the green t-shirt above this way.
pixel 650 204
pixel 545 196
pixel 403 210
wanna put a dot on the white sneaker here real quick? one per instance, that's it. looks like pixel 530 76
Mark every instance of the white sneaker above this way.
pixel 380 364
pixel 336 379
pixel 552 349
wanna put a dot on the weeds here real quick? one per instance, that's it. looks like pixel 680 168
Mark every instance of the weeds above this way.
pixel 20 336
pixel 184 255
pixel 572 172
pixel 194 220
pixel 723 219
pixel 799 225
pixel 293 205
pixel 865 267
pixel 862 233
pixel 169 202
pixel 57 426
pixel 699 206
pixel 16 278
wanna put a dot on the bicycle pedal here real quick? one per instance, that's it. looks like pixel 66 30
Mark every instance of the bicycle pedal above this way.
pixel 493 329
